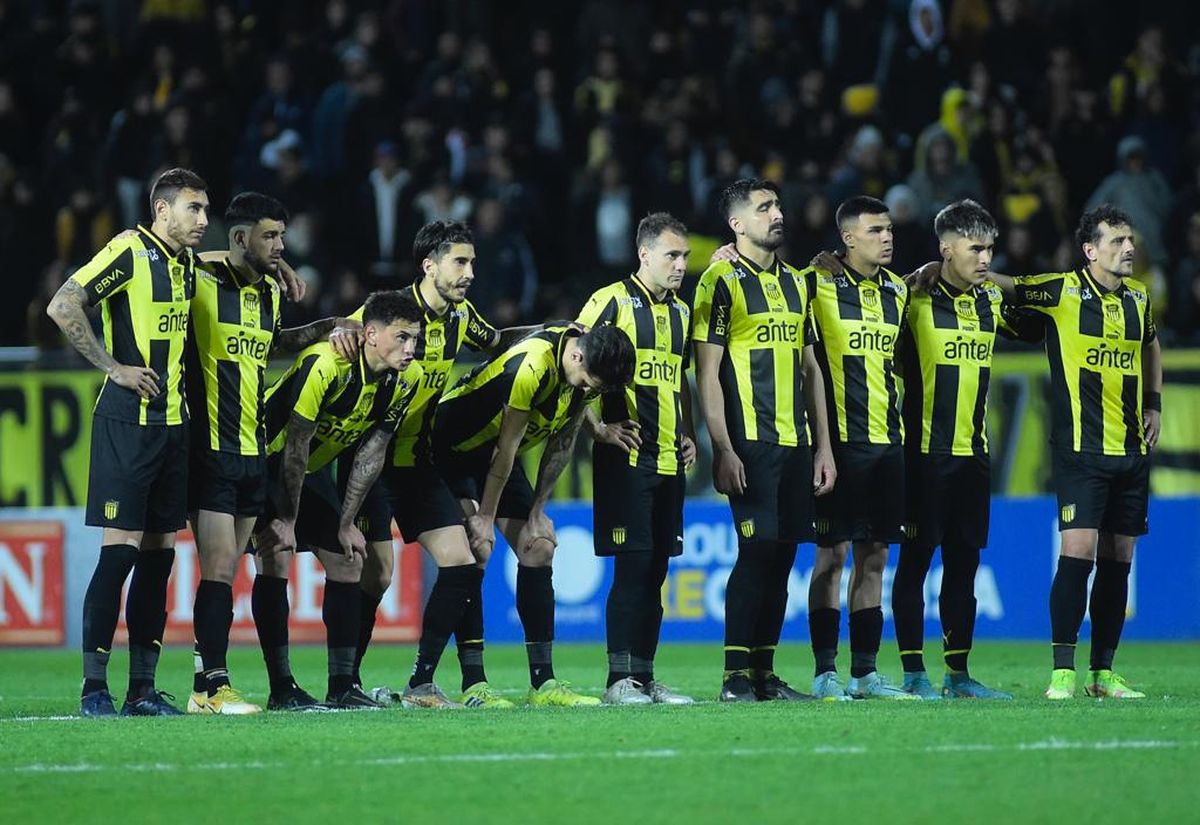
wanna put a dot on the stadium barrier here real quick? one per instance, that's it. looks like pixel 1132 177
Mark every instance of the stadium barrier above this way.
pixel 47 556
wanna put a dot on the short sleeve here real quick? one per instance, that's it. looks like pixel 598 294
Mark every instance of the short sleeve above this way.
pixel 1020 324
pixel 1149 331
pixel 599 310
pixel 528 373
pixel 710 324
pixel 480 334
pixel 108 273
pixel 1041 293
pixel 317 375
pixel 357 315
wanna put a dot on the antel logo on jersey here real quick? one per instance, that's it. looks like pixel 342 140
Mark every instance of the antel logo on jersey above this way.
pixel 967 349
pixel 875 340
pixel 243 344
pixel 1103 356
pixel 658 369
pixel 173 321
pixel 778 332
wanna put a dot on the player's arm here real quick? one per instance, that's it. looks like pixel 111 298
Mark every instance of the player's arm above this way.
pixel 1152 378
pixel 481 526
pixel 280 534
pixel 824 469
pixel 100 278
pixel 560 446
pixel 729 474
pixel 295 339
pixel 368 464
pixel 508 336
pixel 624 435
pixel 687 439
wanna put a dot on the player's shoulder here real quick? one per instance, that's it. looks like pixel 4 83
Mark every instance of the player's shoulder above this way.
pixel 410 376
pixel 728 271
pixel 608 292
pixel 1070 278
pixel 893 283
pixel 1139 289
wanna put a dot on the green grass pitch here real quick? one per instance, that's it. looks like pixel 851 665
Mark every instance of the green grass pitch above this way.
pixel 1024 761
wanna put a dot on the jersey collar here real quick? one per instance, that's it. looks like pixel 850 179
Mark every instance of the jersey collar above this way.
pixel 1086 276
pixel 642 288
pixel 161 244
pixel 857 277
pixel 755 268
pixel 364 371
pixel 430 313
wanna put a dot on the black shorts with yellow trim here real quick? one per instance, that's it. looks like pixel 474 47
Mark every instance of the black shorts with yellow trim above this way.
pixel 777 505
pixel 1102 492
pixel 635 509
pixel 948 499
pixel 420 500
pixel 227 482
pixel 466 474
pixel 138 476
pixel 867 500
pixel 374 517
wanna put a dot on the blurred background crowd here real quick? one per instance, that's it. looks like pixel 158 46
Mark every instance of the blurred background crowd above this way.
pixel 552 127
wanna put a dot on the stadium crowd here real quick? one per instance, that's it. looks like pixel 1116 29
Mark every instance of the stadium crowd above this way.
pixel 552 133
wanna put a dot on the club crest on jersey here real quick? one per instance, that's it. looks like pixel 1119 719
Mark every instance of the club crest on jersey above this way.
pixel 823 526
pixel 1112 312
pixel 250 301
pixel 870 298
pixel 660 324
pixel 909 531
pixel 966 307
pixel 111 508
pixel 746 528
pixel 773 290
pixel 618 535
pixel 434 337
pixel 1068 514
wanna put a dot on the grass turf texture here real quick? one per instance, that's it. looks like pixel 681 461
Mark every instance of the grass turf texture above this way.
pixel 1026 761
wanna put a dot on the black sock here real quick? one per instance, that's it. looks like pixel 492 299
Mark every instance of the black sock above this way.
pixel 535 606
pixel 340 612
pixel 212 617
pixel 468 636
pixel 645 637
pixel 866 629
pixel 957 605
pixel 269 605
pixel 824 624
pixel 1068 600
pixel 624 610
pixel 774 610
pixel 146 616
pixel 1110 597
pixel 368 609
pixel 199 685
pixel 908 604
pixel 101 609
pixel 447 600
pixel 744 597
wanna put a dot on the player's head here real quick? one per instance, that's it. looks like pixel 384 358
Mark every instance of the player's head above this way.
pixel 179 205
pixel 751 208
pixel 662 245
pixel 391 328
pixel 444 252
pixel 602 359
pixel 865 228
pixel 257 224
pixel 967 237
pixel 1105 235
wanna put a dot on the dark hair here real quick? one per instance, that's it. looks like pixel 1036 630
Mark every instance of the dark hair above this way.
pixel 168 185
pixel 966 218
pixel 435 238
pixel 252 207
pixel 738 193
pixel 1089 222
pixel 853 208
pixel 608 355
pixel 655 224
pixel 391 305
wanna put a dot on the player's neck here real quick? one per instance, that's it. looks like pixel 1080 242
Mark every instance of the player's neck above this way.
pixel 1106 279
pixel 246 272
pixel 431 296
pixel 762 258
pixel 160 232
pixel 375 364
pixel 861 265
pixel 644 280
pixel 951 277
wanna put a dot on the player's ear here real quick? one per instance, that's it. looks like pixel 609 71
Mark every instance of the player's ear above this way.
pixel 944 248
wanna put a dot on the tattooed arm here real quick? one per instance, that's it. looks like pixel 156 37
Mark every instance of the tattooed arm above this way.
pixel 368 463
pixel 66 309
pixel 508 336
pixel 295 339
pixel 559 449
pixel 280 534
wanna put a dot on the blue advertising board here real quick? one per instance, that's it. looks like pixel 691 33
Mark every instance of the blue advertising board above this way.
pixel 1012 587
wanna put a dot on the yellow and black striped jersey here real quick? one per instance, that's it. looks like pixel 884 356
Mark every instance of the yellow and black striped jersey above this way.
pixel 344 398
pixel 858 321
pixel 233 326
pixel 144 291
pixel 1094 339
pixel 659 332
pixel 763 319
pixel 946 352
pixel 442 338
pixel 528 377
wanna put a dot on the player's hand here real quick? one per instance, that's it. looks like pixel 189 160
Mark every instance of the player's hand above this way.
pixel 293 285
pixel 346 338
pixel 279 536
pixel 728 252
pixel 352 541
pixel 687 452
pixel 481 534
pixel 729 474
pixel 1152 425
pixel 829 262
pixel 924 277
pixel 538 527
pixel 824 472
pixel 622 434
pixel 142 380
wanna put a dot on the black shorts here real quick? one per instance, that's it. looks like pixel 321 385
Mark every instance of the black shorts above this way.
pixel 635 509
pixel 466 473
pixel 320 510
pixel 778 502
pixel 948 499
pixel 374 517
pixel 867 500
pixel 227 482
pixel 420 500
pixel 1102 492
pixel 138 476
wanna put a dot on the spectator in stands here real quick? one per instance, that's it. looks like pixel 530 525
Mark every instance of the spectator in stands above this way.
pixel 386 218
pixel 1137 188
pixel 944 178
pixel 507 282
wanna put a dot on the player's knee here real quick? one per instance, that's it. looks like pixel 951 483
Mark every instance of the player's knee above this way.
pixel 341 569
pixel 275 565
pixel 539 554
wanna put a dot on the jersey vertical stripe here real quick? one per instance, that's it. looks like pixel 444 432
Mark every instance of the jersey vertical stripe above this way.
pixel 659 332
pixel 762 319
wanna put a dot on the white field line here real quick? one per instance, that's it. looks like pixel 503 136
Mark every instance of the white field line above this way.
pixel 651 754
